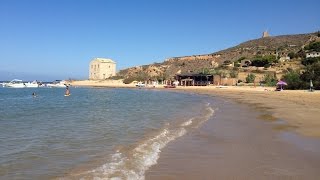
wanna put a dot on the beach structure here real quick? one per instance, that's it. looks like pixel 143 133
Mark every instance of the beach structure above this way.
pixel 194 79
pixel 101 68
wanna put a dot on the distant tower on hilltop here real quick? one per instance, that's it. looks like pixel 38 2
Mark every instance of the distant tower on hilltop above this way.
pixel 265 34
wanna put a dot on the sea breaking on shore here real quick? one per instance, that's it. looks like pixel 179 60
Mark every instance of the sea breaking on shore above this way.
pixel 256 133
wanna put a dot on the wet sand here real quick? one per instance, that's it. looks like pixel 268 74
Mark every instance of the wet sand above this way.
pixel 300 109
pixel 239 142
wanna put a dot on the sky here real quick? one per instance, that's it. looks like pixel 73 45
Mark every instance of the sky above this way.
pixel 56 39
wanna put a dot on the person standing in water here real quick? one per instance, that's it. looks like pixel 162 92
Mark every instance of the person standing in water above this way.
pixel 67 91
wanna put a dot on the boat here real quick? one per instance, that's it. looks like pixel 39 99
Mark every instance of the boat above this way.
pixel 15 83
pixel 33 84
pixel 58 84
pixel 169 86
pixel 140 85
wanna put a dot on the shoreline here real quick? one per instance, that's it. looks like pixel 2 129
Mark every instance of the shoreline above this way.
pixel 256 133
pixel 240 141
pixel 298 108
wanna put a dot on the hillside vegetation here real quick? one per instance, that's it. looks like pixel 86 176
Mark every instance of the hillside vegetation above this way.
pixel 267 56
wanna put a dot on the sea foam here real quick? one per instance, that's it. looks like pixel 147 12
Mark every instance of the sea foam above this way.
pixel 134 164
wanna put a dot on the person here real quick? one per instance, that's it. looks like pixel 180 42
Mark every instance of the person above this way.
pixel 34 94
pixel 67 91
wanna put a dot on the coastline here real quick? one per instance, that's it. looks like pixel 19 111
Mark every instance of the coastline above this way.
pixel 239 142
pixel 298 108
pixel 255 133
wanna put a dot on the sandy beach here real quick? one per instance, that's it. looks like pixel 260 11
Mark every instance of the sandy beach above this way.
pixel 256 133
pixel 299 108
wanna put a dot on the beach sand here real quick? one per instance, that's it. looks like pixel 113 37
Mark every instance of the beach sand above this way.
pixel 299 108
pixel 238 143
pixel 256 133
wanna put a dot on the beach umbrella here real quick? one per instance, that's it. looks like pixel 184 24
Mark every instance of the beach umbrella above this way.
pixel 281 84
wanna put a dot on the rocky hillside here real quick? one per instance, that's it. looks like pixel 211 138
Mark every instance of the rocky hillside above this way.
pixel 279 46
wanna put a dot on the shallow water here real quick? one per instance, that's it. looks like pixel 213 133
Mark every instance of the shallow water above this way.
pixel 105 133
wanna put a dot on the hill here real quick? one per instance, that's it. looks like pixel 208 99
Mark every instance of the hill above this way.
pixel 277 46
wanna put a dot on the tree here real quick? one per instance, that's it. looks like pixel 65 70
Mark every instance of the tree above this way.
pixel 292 55
pixel 312 73
pixel 205 71
pixel 293 80
pixel 261 61
pixel 270 80
pixel 250 78
pixel 313 46
pixel 310 60
pixel 233 74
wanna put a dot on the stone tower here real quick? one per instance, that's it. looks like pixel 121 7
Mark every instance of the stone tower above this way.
pixel 101 68
pixel 265 34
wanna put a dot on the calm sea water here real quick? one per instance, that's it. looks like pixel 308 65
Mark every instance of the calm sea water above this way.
pixel 94 133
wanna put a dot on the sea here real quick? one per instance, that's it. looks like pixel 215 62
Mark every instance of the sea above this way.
pixel 96 133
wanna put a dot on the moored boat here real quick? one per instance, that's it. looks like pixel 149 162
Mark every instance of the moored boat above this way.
pixel 58 84
pixel 15 83
pixel 33 84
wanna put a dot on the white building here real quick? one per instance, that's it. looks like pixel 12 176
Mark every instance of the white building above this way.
pixel 101 68
pixel 312 54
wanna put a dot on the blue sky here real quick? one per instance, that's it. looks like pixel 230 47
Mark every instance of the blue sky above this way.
pixel 56 39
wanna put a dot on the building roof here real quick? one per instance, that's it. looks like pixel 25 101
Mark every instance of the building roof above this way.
pixel 103 60
pixel 193 74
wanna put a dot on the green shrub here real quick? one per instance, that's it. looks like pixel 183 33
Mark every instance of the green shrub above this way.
pixel 312 73
pixel 310 60
pixel 266 66
pixel 293 80
pixel 313 46
pixel 270 80
pixel 250 78
pixel 233 74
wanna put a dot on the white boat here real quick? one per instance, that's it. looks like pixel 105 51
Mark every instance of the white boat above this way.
pixel 140 84
pixel 33 84
pixel 16 83
pixel 58 84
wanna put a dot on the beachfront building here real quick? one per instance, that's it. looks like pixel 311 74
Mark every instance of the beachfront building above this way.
pixel 194 79
pixel 101 68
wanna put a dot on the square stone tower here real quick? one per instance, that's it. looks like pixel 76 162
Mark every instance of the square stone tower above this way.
pixel 101 68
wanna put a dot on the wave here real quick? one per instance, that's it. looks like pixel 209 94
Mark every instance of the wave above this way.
pixel 133 163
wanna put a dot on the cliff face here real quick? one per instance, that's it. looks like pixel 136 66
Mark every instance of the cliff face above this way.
pixel 275 45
